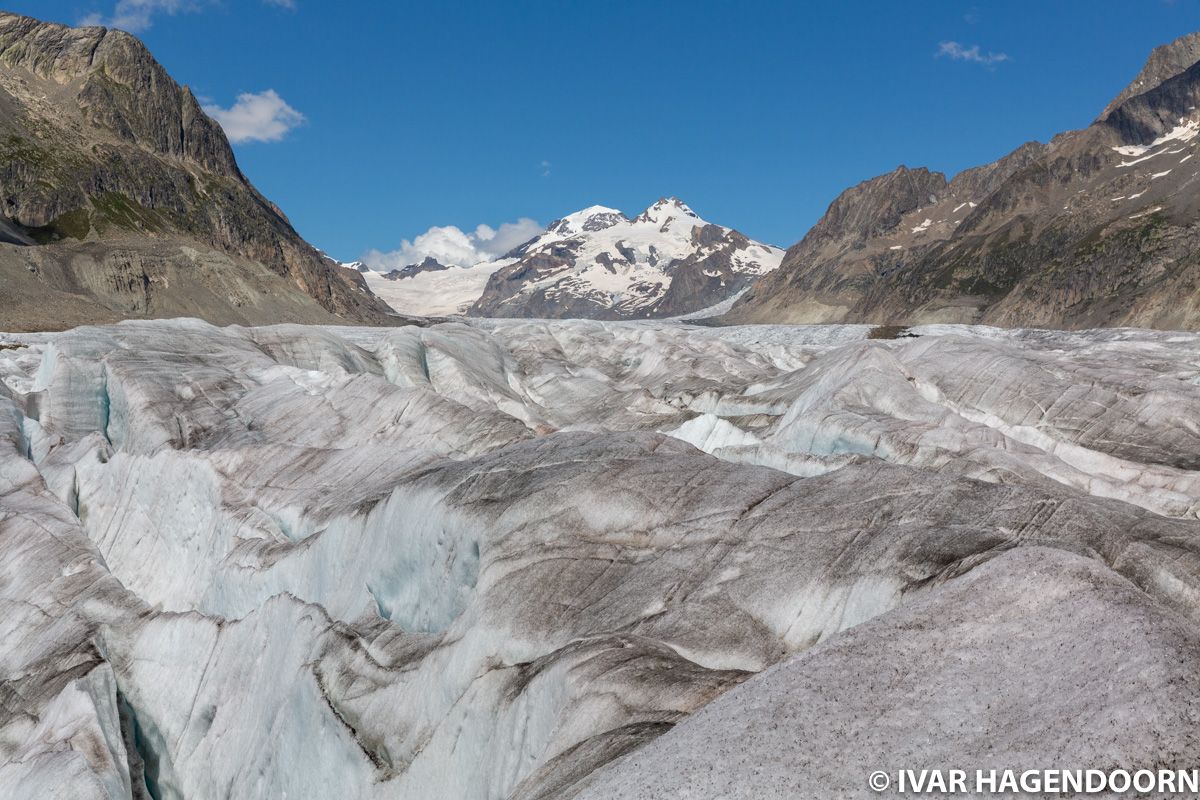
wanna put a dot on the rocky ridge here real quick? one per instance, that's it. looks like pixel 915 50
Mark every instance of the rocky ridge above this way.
pixel 1099 227
pixel 427 264
pixel 120 197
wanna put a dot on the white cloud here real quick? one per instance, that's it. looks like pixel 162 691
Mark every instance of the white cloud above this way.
pixel 262 117
pixel 509 235
pixel 957 52
pixel 451 246
pixel 135 16
pixel 545 165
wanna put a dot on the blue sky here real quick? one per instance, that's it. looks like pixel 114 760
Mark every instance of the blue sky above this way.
pixel 757 114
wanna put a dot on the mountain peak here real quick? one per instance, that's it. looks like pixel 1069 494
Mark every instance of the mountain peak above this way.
pixel 428 264
pixel 672 202
pixel 1165 62
pixel 665 208
pixel 592 218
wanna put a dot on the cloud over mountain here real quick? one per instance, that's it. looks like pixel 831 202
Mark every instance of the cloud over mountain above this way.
pixel 261 117
pixel 451 245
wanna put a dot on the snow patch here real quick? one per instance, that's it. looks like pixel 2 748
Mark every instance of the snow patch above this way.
pixel 1185 131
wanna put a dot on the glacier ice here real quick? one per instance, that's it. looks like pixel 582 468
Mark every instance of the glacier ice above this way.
pixel 532 559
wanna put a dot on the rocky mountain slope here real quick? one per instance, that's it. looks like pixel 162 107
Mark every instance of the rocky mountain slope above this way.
pixel 541 560
pixel 1099 227
pixel 120 198
pixel 598 263
pixel 428 264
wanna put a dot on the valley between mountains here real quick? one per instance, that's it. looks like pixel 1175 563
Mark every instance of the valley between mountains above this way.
pixel 639 508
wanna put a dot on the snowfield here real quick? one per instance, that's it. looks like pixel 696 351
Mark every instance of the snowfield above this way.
pixel 445 293
pixel 556 559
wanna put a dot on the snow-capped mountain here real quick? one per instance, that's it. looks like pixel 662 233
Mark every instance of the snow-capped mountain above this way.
pixel 599 263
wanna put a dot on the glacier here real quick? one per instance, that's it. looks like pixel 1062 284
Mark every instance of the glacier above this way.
pixel 538 559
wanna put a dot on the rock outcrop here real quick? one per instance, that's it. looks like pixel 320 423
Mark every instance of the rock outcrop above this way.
pixel 428 264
